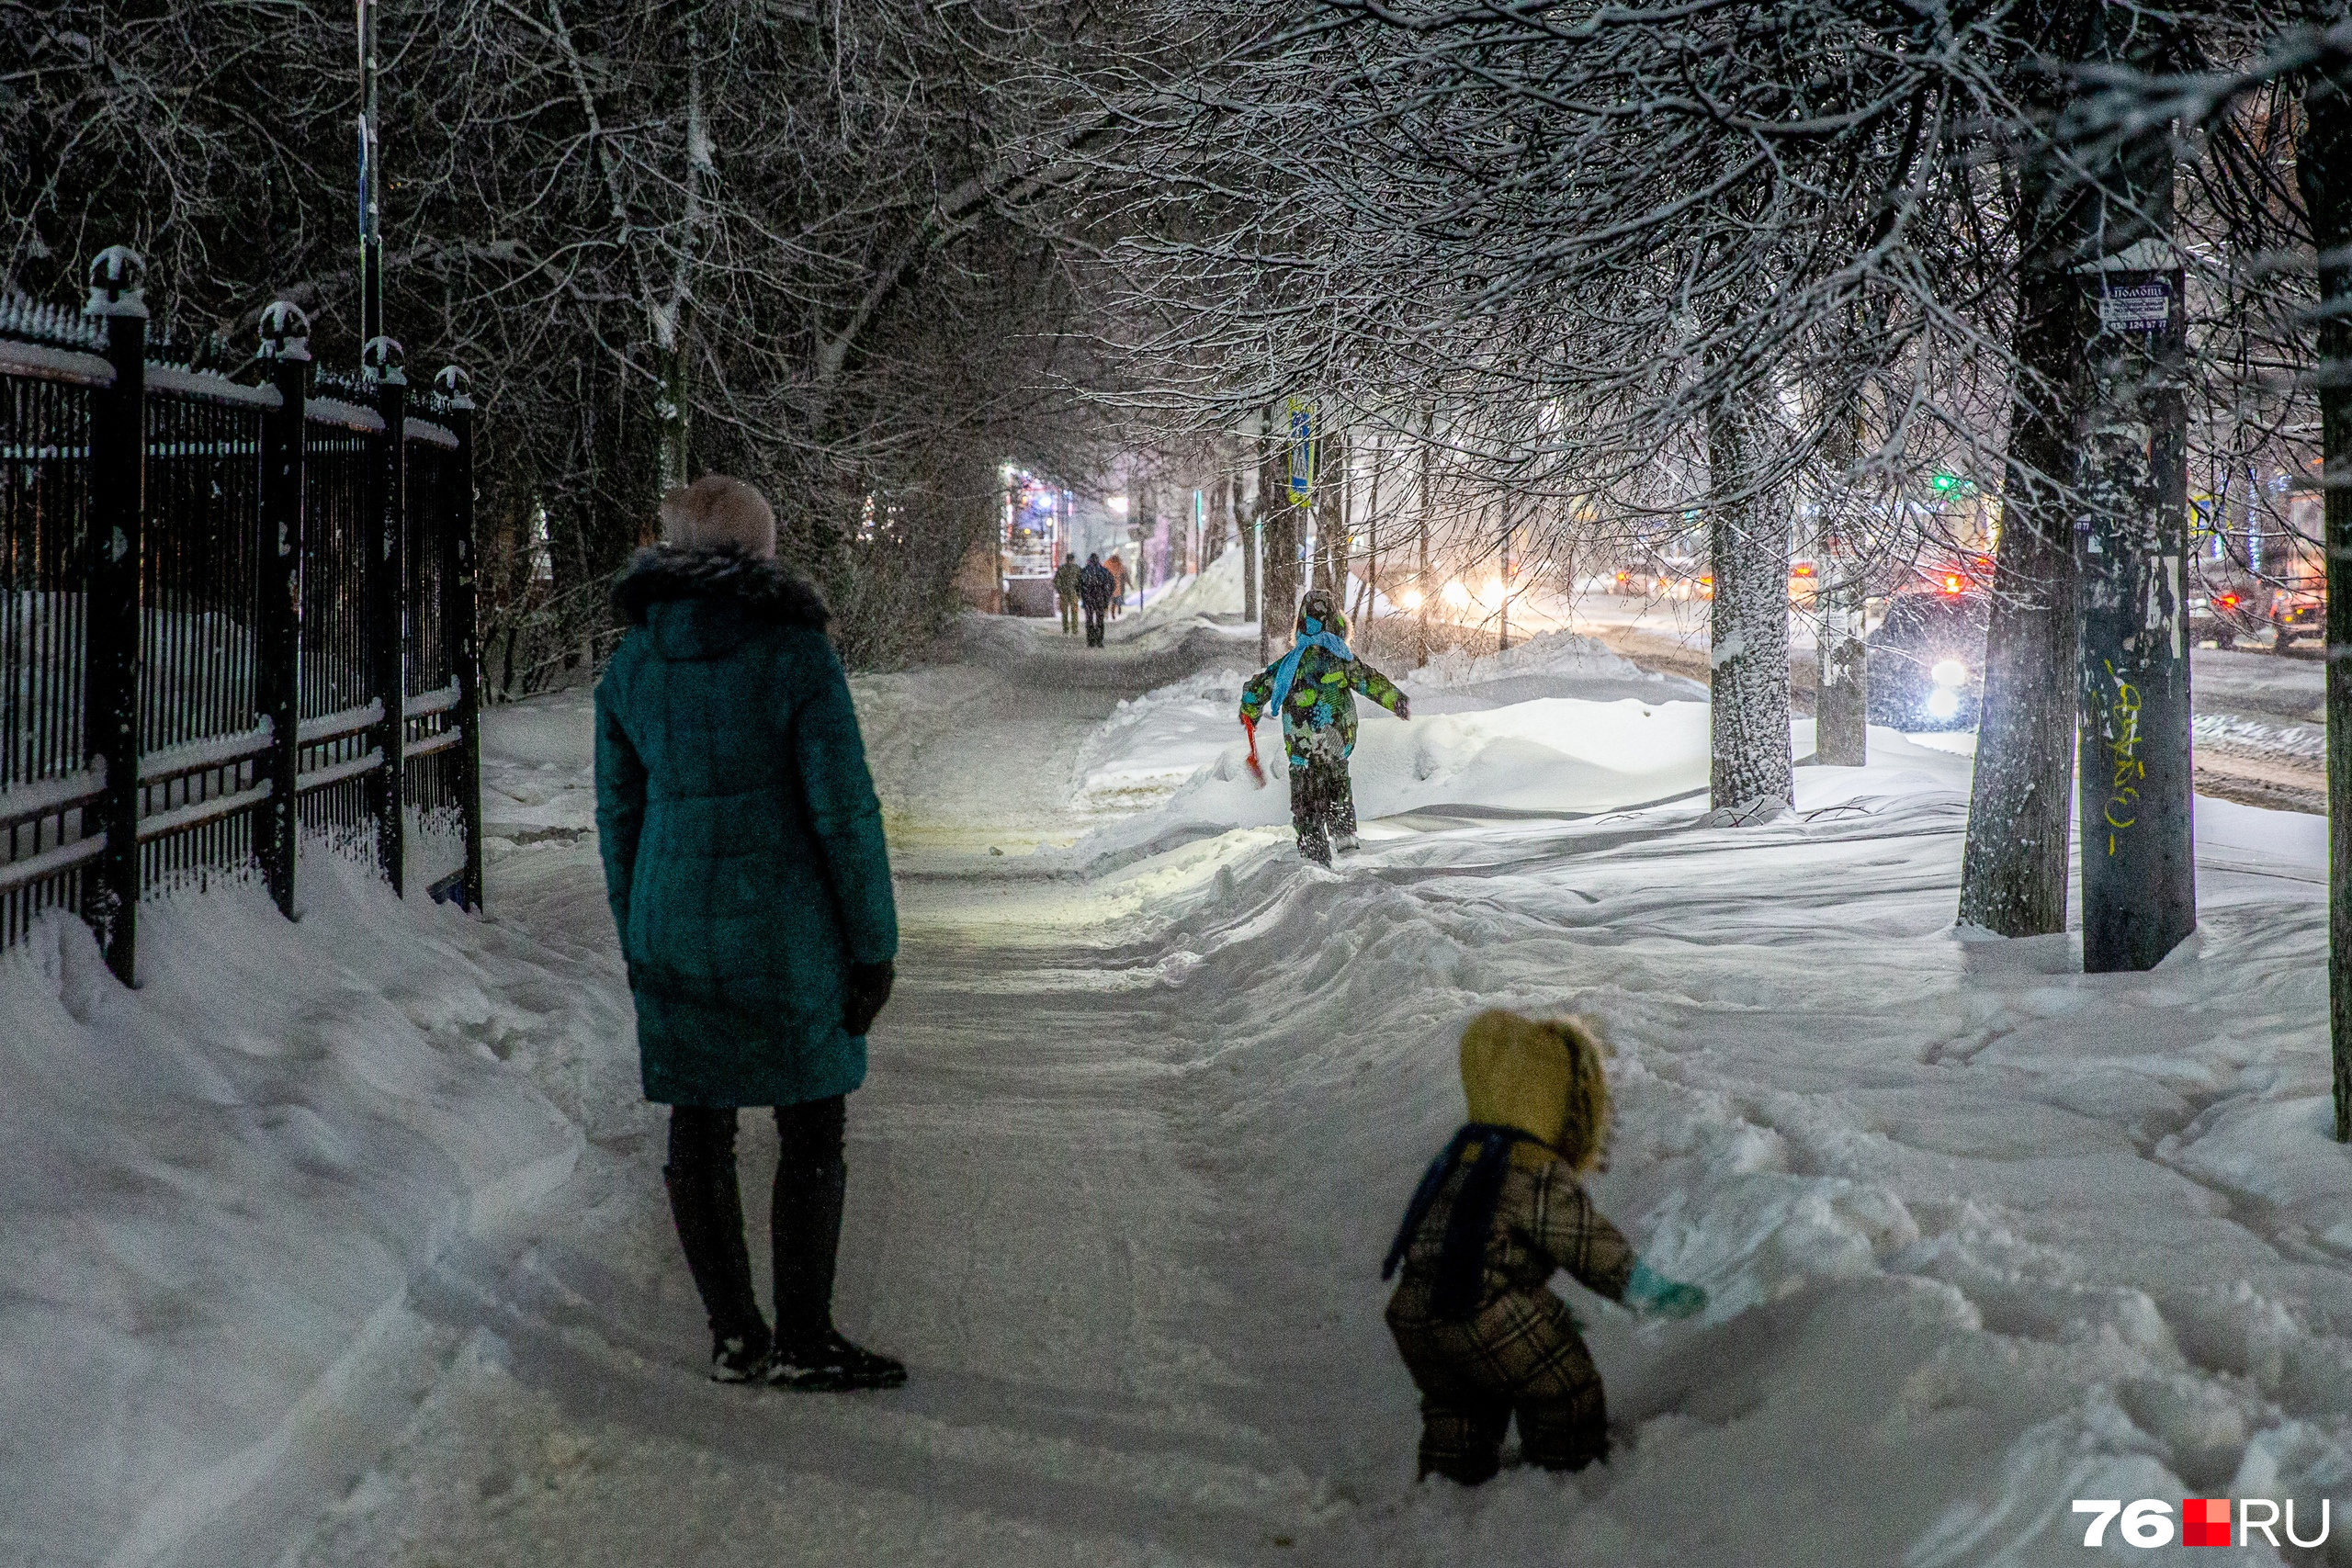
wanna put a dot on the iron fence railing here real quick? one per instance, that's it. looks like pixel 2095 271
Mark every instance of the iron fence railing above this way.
pixel 232 615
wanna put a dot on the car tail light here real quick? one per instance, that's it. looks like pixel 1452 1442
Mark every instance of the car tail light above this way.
pixel 1953 583
pixel 2227 601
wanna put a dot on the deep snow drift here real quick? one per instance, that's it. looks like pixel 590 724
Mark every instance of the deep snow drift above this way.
pixel 1983 1235
pixel 219 1186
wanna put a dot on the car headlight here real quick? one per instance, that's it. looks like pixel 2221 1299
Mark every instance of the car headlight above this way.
pixel 1942 703
pixel 1949 673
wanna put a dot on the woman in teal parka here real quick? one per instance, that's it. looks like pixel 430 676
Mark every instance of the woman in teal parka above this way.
pixel 743 856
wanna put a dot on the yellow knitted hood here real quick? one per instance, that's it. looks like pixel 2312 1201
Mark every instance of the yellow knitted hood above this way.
pixel 1543 1076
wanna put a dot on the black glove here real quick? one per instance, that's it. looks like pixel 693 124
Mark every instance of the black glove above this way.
pixel 1404 709
pixel 869 987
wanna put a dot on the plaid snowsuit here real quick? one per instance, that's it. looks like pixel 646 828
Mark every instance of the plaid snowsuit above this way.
pixel 1319 735
pixel 1519 1352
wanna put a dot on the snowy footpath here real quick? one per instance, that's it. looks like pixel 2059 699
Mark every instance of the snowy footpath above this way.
pixel 344 1243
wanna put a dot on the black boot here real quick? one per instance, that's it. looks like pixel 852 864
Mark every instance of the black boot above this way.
pixel 806 1227
pixel 708 1211
pixel 805 1224
pixel 832 1366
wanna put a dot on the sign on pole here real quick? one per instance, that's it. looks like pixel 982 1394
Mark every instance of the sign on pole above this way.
pixel 1303 443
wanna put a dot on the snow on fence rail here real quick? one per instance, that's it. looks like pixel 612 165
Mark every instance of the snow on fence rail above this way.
pixel 255 591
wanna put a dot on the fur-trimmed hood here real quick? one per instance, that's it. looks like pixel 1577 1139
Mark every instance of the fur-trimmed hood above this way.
pixel 763 589
pixel 1541 1075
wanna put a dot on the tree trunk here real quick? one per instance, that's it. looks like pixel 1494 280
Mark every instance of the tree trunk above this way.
pixel 1841 680
pixel 1253 567
pixel 1502 575
pixel 1427 588
pixel 2013 870
pixel 1748 658
pixel 2324 169
pixel 1331 519
pixel 1841 671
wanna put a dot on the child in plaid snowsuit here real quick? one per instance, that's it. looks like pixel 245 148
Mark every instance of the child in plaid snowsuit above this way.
pixel 1499 1210
pixel 1312 686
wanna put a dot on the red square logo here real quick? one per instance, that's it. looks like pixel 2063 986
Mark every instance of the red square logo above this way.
pixel 2205 1521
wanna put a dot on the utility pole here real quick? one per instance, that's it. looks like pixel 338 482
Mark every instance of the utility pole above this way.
pixel 371 238
pixel 2134 753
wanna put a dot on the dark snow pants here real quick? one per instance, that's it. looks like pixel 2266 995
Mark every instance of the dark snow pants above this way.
pixel 804 1224
pixel 1522 1357
pixel 1095 614
pixel 1322 806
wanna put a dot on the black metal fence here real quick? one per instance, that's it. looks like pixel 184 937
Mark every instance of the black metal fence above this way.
pixel 234 614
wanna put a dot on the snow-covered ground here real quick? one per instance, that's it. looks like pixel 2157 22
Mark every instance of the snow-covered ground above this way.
pixel 1982 1234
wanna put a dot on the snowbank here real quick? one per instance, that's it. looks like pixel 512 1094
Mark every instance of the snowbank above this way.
pixel 1557 664
pixel 219 1186
pixel 1981 1234
pixel 1546 728
pixel 1214 592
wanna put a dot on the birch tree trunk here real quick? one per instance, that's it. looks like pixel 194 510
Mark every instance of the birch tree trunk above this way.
pixel 1750 770
pixel 1428 590
pixel 1253 567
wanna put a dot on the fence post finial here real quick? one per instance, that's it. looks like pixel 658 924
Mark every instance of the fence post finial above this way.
pixel 455 383
pixel 285 331
pixel 380 358
pixel 117 284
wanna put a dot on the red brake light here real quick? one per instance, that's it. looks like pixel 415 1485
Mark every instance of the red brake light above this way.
pixel 1952 582
pixel 2227 601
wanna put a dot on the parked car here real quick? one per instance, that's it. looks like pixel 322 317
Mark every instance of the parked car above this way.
pixel 1926 658
pixel 2298 598
pixel 2224 604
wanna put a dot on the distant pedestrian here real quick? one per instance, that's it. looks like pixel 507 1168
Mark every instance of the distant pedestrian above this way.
pixel 1065 590
pixel 1313 687
pixel 1497 1212
pixel 1094 587
pixel 1117 567
pixel 743 856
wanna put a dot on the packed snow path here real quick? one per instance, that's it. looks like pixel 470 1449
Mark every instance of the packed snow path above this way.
pixel 1984 1235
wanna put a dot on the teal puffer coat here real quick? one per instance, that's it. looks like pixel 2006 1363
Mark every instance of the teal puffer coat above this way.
pixel 741 838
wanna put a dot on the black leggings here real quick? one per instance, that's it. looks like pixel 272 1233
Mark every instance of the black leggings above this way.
pixel 805 1222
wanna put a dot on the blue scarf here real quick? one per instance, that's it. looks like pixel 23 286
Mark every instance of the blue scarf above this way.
pixel 1462 1257
pixel 1286 673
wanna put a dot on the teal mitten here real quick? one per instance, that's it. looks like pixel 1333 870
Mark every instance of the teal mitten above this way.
pixel 1650 1291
